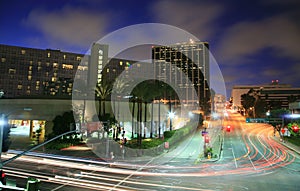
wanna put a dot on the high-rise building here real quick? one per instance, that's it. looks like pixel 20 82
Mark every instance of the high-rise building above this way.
pixel 36 72
pixel 47 73
pixel 186 65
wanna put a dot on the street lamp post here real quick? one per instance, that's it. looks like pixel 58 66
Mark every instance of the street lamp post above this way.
pixel 171 116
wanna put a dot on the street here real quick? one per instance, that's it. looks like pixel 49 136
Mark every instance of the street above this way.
pixel 251 159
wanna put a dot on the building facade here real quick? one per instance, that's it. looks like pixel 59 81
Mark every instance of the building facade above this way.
pixel 47 73
pixel 186 65
pixel 36 72
pixel 274 94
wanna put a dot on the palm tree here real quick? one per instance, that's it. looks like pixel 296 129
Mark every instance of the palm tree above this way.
pixel 102 90
pixel 119 87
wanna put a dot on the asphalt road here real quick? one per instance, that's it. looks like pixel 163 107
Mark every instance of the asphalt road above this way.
pixel 251 159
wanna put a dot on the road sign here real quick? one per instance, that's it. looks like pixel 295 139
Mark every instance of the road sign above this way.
pixel 204 133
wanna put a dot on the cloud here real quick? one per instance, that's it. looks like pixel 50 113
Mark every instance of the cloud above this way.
pixel 68 26
pixel 196 18
pixel 245 39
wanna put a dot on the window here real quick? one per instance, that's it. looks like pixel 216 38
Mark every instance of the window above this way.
pixel 23 52
pixel 19 87
pixel 78 58
pixel 107 70
pixel 55 65
pixel 65 56
pixel 12 71
pixel 121 63
pixel 29 77
pixel 3 59
pixel 67 66
pixel 48 55
pixel 54 79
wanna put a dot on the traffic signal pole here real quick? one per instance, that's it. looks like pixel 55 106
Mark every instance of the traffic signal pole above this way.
pixel 35 147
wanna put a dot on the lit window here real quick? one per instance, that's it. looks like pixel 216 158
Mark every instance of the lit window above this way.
pixel 121 63
pixel 48 55
pixel 65 56
pixel 19 87
pixel 30 68
pixel 78 58
pixel 54 79
pixel 107 70
pixel 39 68
pixel 138 65
pixel 29 77
pixel 30 62
pixel 55 65
pixel 37 83
pixel 3 59
pixel 47 74
pixel 29 72
pixel 23 51
pixel 28 92
pixel 83 68
pixel 37 88
pixel 47 64
pixel 67 66
pixel 12 71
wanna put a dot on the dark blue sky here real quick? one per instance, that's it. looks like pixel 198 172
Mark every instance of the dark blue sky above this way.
pixel 253 42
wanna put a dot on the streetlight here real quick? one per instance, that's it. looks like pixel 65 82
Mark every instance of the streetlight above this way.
pixel 171 116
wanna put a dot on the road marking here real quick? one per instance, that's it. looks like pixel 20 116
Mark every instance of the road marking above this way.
pixel 234 158
pixel 250 159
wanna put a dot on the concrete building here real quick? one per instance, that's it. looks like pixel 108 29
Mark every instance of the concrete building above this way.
pixel 43 80
pixel 275 95
pixel 185 65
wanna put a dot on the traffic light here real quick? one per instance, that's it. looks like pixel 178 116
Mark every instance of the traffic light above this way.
pixel 295 128
pixel 228 128
pixel 3 177
pixel 5 137
pixel 206 139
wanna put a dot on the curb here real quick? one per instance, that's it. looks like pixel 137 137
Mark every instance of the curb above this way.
pixel 286 145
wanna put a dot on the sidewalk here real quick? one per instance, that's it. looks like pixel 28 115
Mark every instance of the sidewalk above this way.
pixel 287 144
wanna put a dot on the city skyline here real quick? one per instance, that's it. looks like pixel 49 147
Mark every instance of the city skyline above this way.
pixel 253 43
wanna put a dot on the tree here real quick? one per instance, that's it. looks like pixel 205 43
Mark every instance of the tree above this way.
pixel 247 101
pixel 62 123
pixel 102 90
pixel 6 142
pixel 119 87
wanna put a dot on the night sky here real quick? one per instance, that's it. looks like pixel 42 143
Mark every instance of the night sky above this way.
pixel 254 42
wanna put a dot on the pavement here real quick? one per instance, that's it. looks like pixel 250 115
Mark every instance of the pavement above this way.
pixel 287 144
